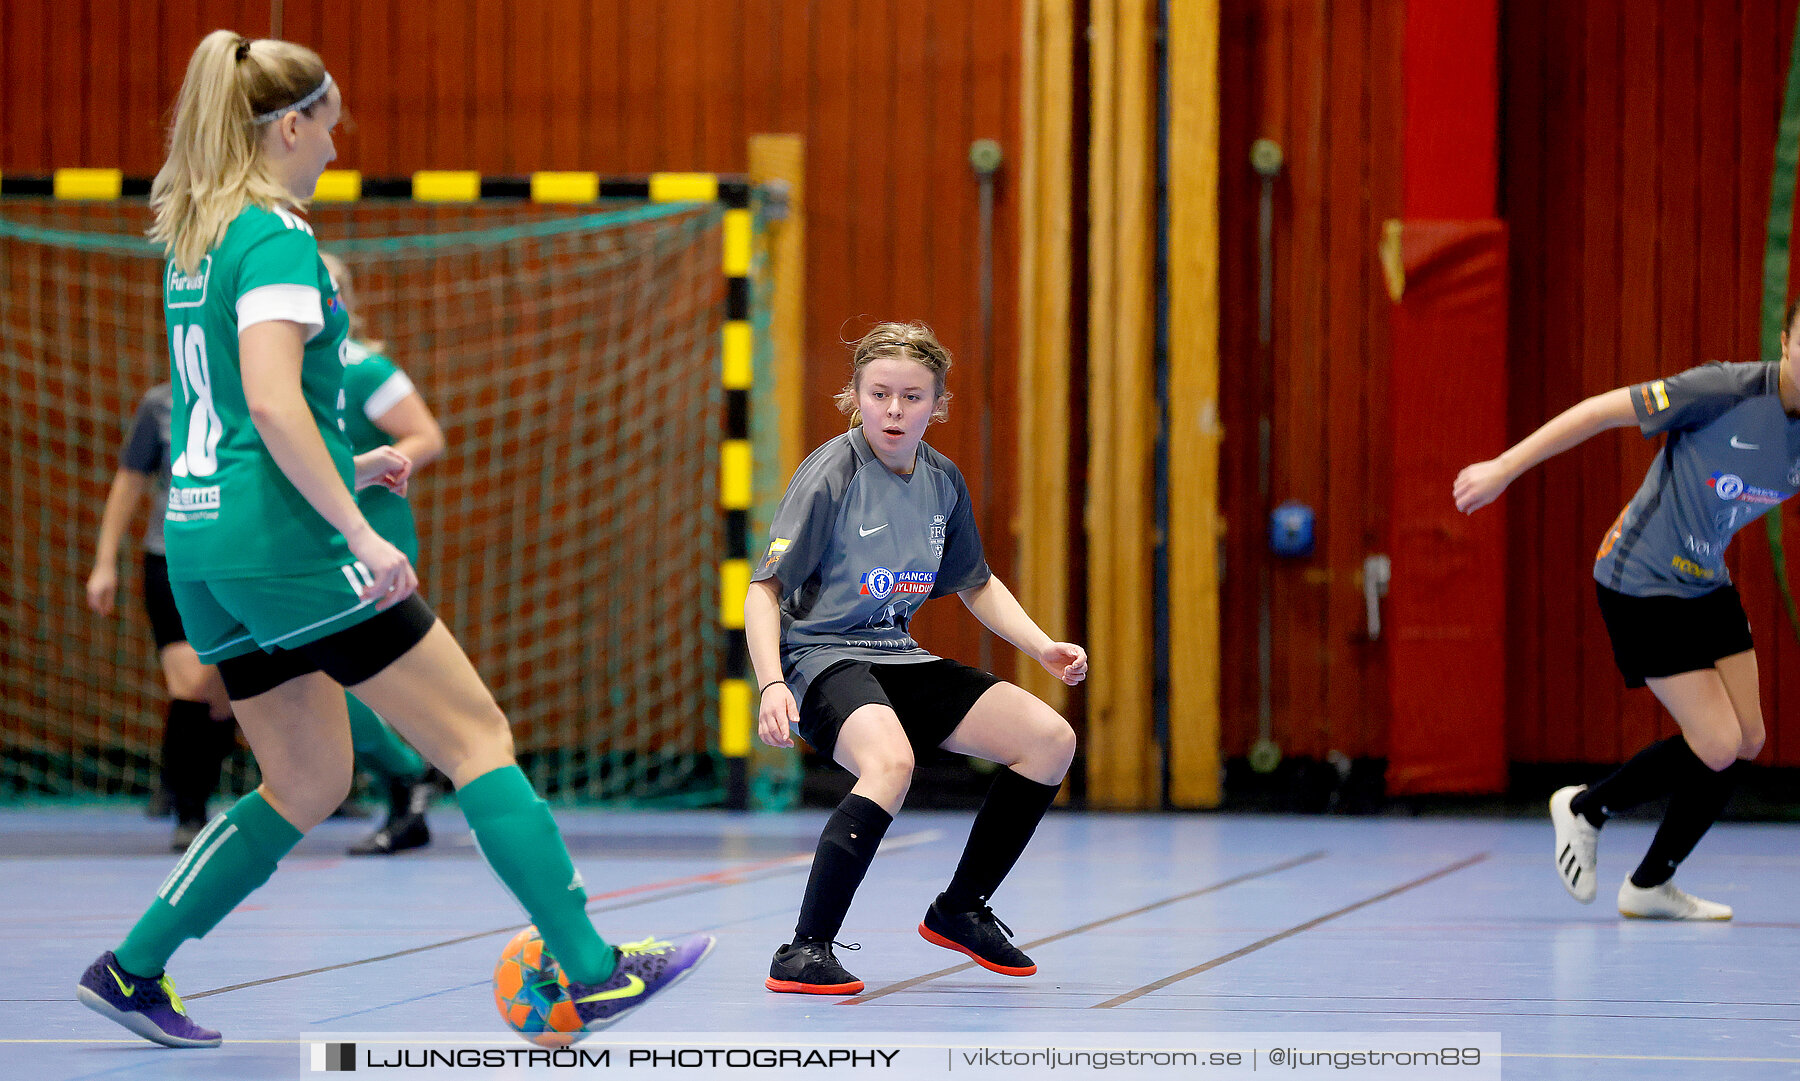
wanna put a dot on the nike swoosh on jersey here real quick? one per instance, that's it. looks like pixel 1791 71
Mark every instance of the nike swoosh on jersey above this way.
pixel 634 985
pixel 1744 446
pixel 871 532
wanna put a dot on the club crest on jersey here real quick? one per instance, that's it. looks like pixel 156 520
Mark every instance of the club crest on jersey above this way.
pixel 935 534
pixel 878 583
pixel 1794 475
pixel 1730 486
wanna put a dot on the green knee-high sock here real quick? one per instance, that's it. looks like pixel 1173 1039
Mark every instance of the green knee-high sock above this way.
pixel 233 855
pixel 523 846
pixel 379 749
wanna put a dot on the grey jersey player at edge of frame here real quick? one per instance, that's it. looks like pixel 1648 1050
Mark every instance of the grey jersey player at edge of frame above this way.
pixel 146 451
pixel 857 548
pixel 1732 454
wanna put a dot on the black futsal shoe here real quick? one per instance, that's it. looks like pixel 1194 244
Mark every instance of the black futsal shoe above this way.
pixel 810 968
pixel 980 935
pixel 405 827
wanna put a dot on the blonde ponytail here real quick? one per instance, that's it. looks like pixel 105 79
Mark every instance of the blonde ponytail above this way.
pixel 215 164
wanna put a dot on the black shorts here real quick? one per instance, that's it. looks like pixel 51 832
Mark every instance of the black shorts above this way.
pixel 1666 636
pixel 930 697
pixel 350 656
pixel 159 602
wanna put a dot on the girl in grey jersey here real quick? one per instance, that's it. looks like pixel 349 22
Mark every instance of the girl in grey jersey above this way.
pixel 875 523
pixel 198 731
pixel 1677 626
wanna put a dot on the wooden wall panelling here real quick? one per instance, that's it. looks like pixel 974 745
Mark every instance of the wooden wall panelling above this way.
pixel 683 97
pixel 1193 405
pixel 1350 706
pixel 1386 37
pixel 1245 84
pixel 1595 466
pixel 640 58
pixel 1299 441
pixel 1045 159
pixel 1642 322
pixel 1524 203
pixel 1123 763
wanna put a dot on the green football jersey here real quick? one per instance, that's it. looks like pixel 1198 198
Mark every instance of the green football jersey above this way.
pixel 232 513
pixel 373 384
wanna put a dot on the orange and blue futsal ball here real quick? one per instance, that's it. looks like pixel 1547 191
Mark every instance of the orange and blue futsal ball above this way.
pixel 530 994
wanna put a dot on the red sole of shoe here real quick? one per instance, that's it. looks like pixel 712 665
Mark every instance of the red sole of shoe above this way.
pixel 936 939
pixel 795 988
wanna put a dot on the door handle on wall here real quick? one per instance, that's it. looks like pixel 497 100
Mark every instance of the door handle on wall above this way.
pixel 1378 570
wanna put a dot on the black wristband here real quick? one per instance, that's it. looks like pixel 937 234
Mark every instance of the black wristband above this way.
pixel 766 686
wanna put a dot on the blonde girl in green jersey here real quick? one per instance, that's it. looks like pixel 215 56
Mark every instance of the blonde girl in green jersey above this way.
pixel 279 577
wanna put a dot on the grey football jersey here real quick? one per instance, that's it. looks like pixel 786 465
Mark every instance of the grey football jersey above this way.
pixel 1732 454
pixel 857 548
pixel 147 451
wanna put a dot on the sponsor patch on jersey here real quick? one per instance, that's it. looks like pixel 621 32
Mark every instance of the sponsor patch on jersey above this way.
pixel 187 290
pixel 776 547
pixel 882 583
pixel 1656 397
pixel 186 499
pixel 192 504
pixel 1730 486
pixel 1690 568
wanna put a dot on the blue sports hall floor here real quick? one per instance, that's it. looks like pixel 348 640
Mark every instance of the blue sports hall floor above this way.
pixel 1200 924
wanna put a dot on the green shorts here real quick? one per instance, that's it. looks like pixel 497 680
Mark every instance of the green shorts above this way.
pixel 229 617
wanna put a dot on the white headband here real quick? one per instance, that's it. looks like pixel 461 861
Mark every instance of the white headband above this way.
pixel 304 103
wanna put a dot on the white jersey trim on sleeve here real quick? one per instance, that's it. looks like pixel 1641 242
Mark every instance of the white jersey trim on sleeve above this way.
pixel 289 303
pixel 393 390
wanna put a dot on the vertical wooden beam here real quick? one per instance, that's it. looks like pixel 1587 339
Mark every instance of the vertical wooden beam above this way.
pixel 1122 758
pixel 1046 194
pixel 1193 406
pixel 783 158
pixel 1103 728
pixel 778 395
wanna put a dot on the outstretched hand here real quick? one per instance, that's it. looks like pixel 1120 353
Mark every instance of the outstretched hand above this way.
pixel 1480 484
pixel 1066 661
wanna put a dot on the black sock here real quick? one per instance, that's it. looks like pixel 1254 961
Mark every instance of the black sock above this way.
pixel 1004 825
pixel 190 758
pixel 169 744
pixel 1695 806
pixel 846 847
pixel 1652 772
pixel 221 741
